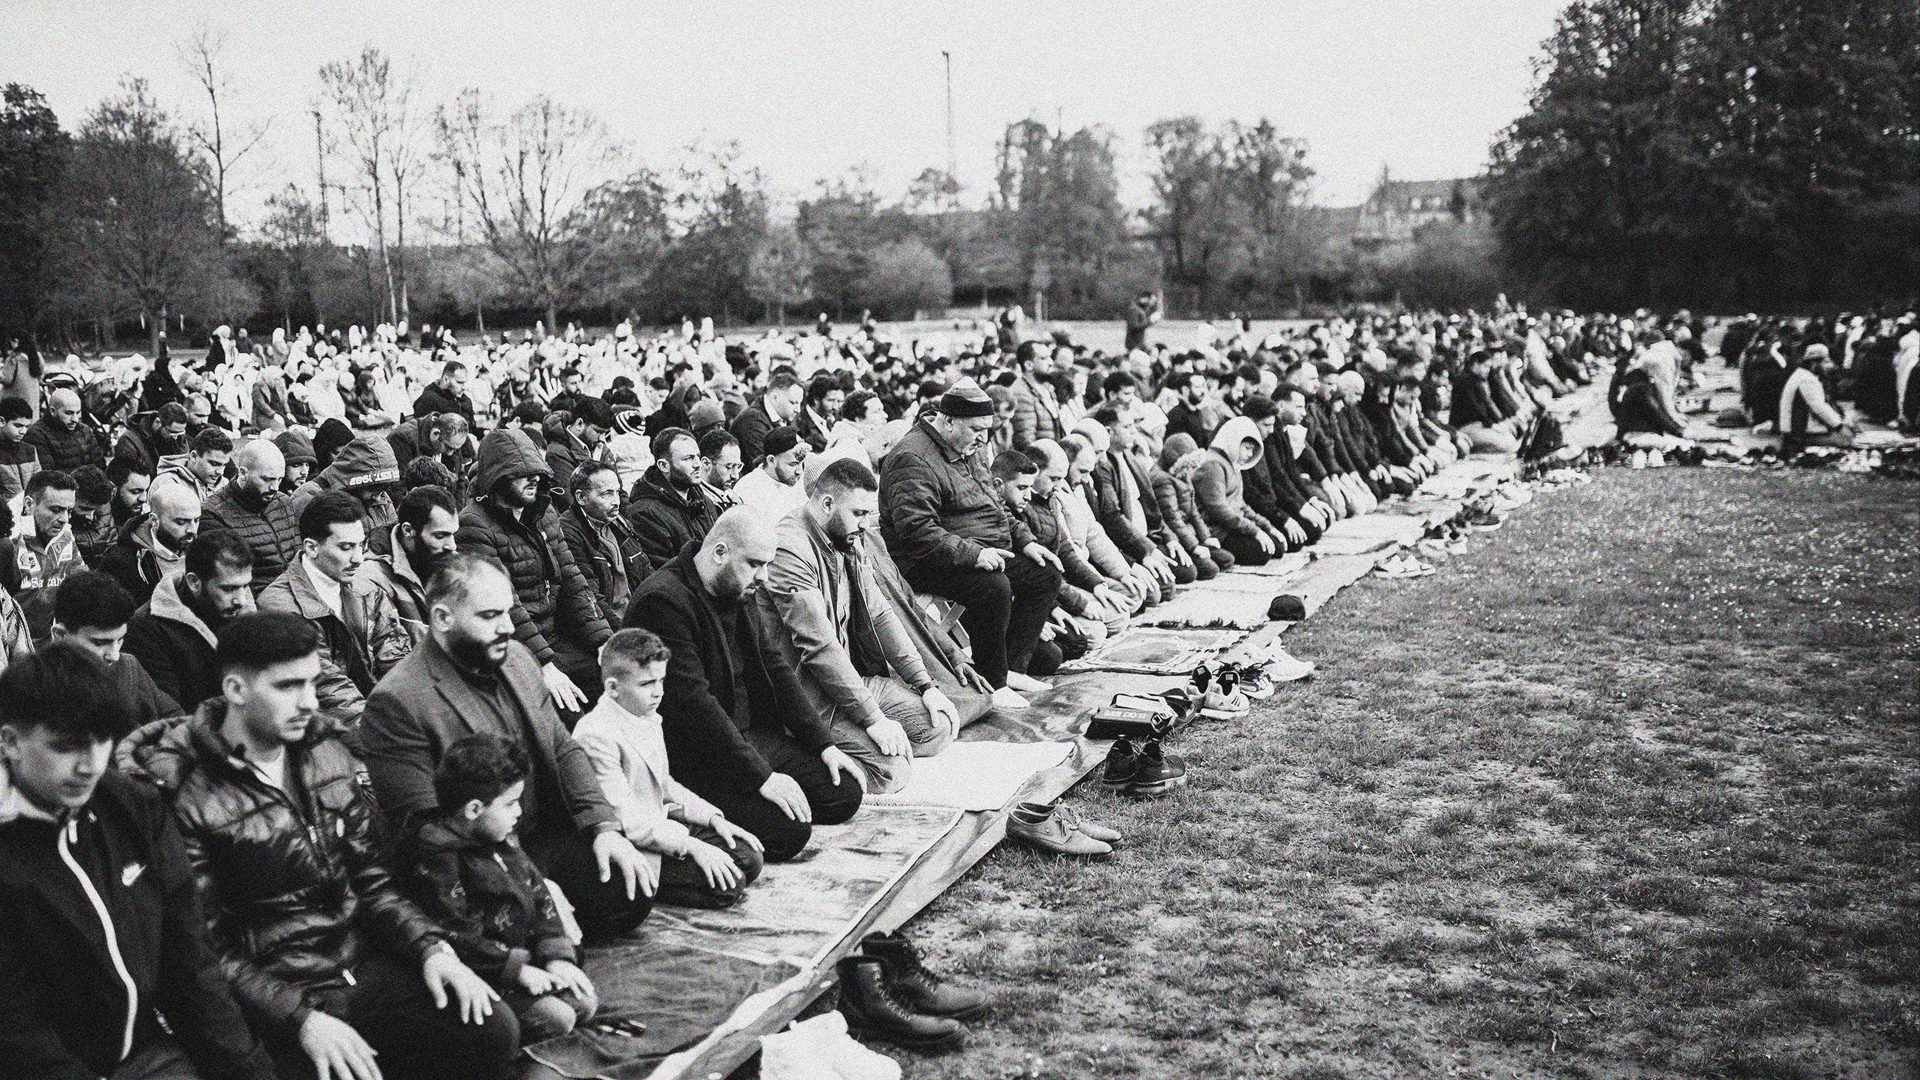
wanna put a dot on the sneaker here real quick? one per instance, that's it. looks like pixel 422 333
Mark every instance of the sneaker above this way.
pixel 1043 828
pixel 1638 460
pixel 1157 772
pixel 1072 820
pixel 1281 666
pixel 1656 460
pixel 1122 762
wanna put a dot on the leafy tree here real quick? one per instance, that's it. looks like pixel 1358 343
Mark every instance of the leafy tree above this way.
pixel 33 160
pixel 142 232
pixel 631 216
pixel 780 273
pixel 905 277
pixel 840 225
pixel 719 211
pixel 1058 198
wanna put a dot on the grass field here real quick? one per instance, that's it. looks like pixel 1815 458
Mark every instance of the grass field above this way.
pixel 1628 789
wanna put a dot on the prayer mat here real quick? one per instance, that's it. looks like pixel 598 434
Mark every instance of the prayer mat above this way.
pixel 975 775
pixel 1150 650
pixel 1198 606
pixel 1286 564
pixel 1059 713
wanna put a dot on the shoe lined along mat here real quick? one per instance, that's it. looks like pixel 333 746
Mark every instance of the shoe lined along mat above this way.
pixel 708 984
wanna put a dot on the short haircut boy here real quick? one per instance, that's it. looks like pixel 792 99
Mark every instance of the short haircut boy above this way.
pixel 633 649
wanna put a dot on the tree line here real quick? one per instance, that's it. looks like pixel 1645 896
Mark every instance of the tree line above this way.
pixel 1719 154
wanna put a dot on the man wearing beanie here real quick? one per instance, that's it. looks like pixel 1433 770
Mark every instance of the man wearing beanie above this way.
pixel 953 536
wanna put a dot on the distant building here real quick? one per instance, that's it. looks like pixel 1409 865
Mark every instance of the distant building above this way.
pixel 1398 209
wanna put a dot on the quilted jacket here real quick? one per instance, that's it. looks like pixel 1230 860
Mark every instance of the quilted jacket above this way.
pixel 553 598
pixel 293 887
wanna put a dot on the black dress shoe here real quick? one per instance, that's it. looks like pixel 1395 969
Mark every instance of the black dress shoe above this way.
pixel 919 987
pixel 872 1008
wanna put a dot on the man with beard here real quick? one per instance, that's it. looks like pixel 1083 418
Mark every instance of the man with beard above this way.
pixel 154 546
pixel 780 404
pixel 1188 415
pixel 1036 413
pixel 131 481
pixel 774 488
pixel 173 633
pixel 740 731
pixel 857 666
pixel 333 966
pixel 720 458
pixel 603 544
pixel 251 507
pixel 401 560
pixel 360 636
pixel 669 510
pixel 946 525
pixel 470 676
pixel 63 439
pixel 555 614
pixel 205 464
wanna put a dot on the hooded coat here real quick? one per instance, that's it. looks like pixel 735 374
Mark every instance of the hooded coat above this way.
pixel 365 468
pixel 555 613
pixel 1173 492
pixel 1217 486
pixel 175 645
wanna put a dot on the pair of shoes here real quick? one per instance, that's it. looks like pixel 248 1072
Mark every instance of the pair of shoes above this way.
pixel 1148 770
pixel 887 993
pixel 1041 825
pixel 1404 566
pixel 1483 519
pixel 1071 818
pixel 1277 665
pixel 821 1049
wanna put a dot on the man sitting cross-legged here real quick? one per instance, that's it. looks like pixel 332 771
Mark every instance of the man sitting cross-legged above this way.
pixel 104 930
pixel 339 973
pixel 856 664
pixel 471 676
pixel 739 729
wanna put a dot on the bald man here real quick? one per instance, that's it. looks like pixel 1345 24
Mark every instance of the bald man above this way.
pixel 251 507
pixel 740 730
pixel 62 436
pixel 155 544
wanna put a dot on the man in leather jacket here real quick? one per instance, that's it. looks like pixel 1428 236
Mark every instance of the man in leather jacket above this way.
pixel 330 963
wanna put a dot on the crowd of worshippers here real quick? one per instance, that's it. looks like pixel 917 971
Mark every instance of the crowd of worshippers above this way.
pixel 1796 376
pixel 321 745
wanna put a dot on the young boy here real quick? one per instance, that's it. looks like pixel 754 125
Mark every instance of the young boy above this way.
pixel 465 868
pixel 704 859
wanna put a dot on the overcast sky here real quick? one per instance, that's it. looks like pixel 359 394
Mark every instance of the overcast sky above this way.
pixel 812 87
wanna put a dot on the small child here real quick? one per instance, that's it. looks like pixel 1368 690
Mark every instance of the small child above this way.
pixel 464 866
pixel 704 859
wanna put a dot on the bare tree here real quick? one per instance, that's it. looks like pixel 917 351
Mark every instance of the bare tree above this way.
pixel 222 145
pixel 530 179
pixel 371 105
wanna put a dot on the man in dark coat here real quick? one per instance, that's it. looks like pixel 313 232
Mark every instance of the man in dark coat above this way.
pixel 780 404
pixel 330 962
pixel 948 528
pixel 740 730
pixel 471 677
pixel 63 437
pixel 91 610
pixel 447 394
pixel 604 545
pixel 173 633
pixel 669 508
pixel 251 507
pixel 555 613
pixel 71 1009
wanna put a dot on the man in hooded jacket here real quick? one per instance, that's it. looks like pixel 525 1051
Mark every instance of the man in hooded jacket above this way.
pixel 555 613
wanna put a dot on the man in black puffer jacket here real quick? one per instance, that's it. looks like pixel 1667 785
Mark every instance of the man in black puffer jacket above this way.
pixel 555 614
pixel 328 960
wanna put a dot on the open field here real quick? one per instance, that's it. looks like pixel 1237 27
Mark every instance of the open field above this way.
pixel 1630 788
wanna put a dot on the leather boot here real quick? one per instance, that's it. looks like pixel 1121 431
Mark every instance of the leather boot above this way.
pixel 873 1009
pixel 919 987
